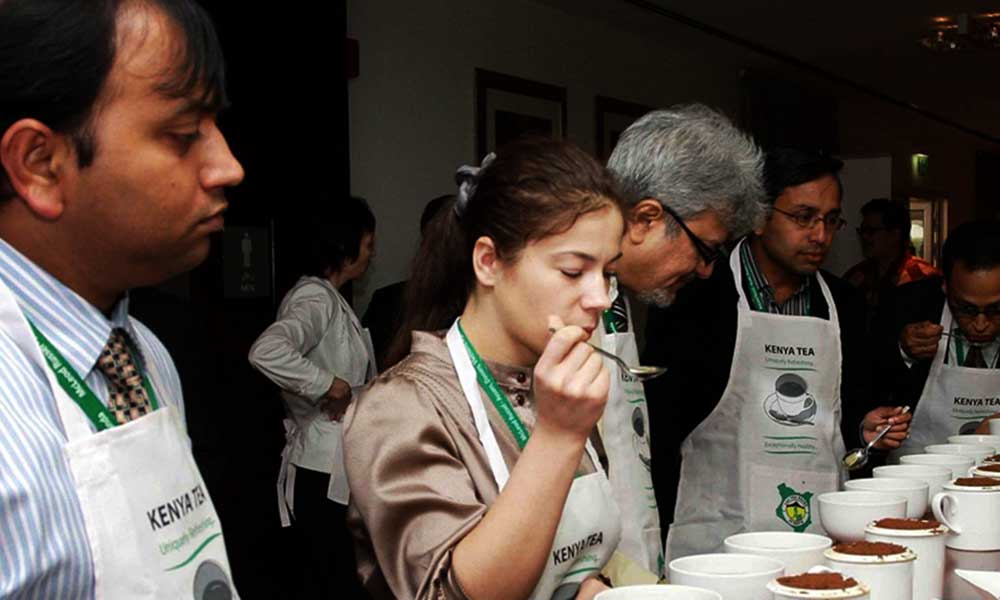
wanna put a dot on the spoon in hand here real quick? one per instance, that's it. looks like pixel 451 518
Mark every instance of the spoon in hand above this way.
pixel 857 458
pixel 641 372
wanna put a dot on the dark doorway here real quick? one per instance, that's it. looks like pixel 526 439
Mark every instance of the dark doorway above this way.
pixel 288 126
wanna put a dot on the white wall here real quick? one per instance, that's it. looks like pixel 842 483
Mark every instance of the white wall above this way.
pixel 863 179
pixel 412 108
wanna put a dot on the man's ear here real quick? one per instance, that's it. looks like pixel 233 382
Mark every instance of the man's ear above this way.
pixel 485 261
pixel 34 158
pixel 642 218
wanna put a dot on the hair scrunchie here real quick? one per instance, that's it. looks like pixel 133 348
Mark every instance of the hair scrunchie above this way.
pixel 467 177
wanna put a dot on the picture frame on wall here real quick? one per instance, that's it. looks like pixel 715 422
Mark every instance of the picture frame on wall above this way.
pixel 612 118
pixel 509 107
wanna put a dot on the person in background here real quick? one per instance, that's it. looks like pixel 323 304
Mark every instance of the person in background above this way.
pixel 690 180
pixel 768 373
pixel 944 339
pixel 888 251
pixel 114 172
pixel 471 470
pixel 384 315
pixel 320 357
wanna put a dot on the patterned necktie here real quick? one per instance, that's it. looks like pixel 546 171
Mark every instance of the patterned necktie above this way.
pixel 975 358
pixel 128 399
pixel 618 315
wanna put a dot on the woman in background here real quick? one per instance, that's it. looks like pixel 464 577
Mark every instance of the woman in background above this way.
pixel 318 354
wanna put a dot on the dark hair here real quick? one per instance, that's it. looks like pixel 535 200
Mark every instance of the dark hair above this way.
pixel 789 167
pixel 432 209
pixel 975 244
pixel 895 216
pixel 534 188
pixel 55 57
pixel 335 236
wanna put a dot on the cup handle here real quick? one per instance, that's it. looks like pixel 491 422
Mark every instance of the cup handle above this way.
pixel 937 506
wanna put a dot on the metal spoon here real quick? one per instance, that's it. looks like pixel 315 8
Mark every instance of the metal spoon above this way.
pixel 857 458
pixel 641 372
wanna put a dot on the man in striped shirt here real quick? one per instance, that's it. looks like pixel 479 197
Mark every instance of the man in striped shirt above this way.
pixel 112 178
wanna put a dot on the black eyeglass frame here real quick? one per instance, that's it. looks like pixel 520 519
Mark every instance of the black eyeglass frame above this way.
pixel 798 219
pixel 967 310
pixel 708 253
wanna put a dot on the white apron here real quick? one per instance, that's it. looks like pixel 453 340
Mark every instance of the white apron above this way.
pixel 590 527
pixel 625 433
pixel 773 442
pixel 151 525
pixel 321 427
pixel 955 399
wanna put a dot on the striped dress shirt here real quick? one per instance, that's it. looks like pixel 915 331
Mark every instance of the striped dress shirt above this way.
pixel 44 551
pixel 796 305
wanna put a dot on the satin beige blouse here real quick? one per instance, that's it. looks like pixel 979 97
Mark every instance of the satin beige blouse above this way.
pixel 419 477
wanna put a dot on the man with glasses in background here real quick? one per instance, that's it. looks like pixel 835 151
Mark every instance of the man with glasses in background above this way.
pixel 945 339
pixel 889 259
pixel 768 373
pixel 692 181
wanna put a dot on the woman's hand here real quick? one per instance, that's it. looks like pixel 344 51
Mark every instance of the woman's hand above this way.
pixel 334 402
pixel 571 383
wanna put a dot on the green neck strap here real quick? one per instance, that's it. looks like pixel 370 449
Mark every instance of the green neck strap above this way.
pixel 77 389
pixel 495 394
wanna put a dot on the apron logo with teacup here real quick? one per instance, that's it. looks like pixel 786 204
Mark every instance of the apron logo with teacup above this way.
pixel 791 404
pixel 639 442
pixel 794 508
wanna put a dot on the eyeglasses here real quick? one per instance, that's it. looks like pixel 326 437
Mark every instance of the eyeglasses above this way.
pixel 709 254
pixel 967 310
pixel 810 219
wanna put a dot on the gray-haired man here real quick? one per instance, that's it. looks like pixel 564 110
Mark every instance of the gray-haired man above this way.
pixel 692 181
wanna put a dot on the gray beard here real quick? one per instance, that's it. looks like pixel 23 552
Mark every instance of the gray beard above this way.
pixel 661 298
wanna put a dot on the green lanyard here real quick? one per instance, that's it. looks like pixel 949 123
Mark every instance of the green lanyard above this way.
pixel 77 389
pixel 496 395
pixel 609 321
pixel 960 351
pixel 758 300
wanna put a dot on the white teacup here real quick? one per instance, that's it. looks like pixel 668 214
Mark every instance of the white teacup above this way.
pixel 658 592
pixel 972 514
pixel 933 476
pixel 928 545
pixel 914 490
pixel 798 551
pixel 986 470
pixel 844 515
pixel 790 592
pixel 733 576
pixel 959 465
pixel 976 438
pixel 979 452
pixel 889 577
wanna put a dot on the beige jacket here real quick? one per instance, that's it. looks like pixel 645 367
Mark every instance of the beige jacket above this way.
pixel 419 477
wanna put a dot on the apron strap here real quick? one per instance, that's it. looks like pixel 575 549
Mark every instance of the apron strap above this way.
pixel 286 477
pixel 470 387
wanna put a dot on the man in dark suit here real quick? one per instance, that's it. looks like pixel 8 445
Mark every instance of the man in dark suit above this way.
pixel 384 314
pixel 943 342
pixel 768 373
